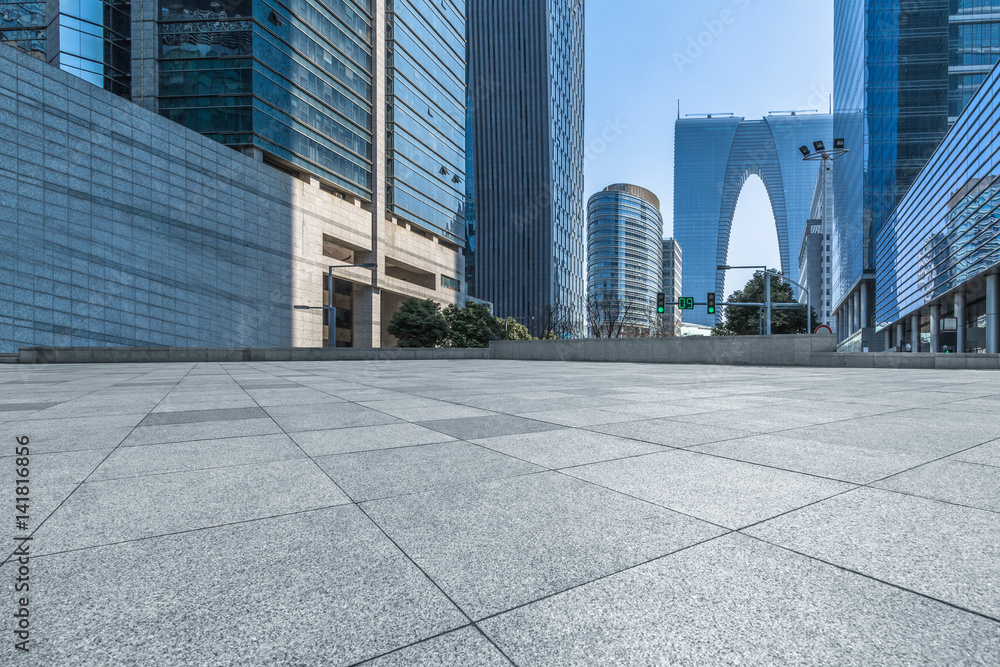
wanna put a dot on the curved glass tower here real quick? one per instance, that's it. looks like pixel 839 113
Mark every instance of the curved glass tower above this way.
pixel 624 259
pixel 713 158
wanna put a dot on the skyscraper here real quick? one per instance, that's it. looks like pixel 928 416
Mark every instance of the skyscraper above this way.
pixel 624 260
pixel 88 38
pixel 713 158
pixel 672 274
pixel 526 87
pixel 354 114
pixel 903 72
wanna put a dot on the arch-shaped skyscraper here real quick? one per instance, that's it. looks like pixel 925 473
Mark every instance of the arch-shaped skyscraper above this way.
pixel 713 158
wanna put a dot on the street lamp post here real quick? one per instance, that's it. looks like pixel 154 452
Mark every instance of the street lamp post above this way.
pixel 331 308
pixel 827 156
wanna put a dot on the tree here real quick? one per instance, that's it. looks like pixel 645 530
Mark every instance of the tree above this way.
pixel 419 323
pixel 472 326
pixel 749 320
pixel 608 313
pixel 514 330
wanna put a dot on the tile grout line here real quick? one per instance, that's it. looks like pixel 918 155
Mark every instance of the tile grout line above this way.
pixel 81 483
pixel 357 505
pixel 870 577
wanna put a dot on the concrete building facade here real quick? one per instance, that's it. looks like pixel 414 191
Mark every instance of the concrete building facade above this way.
pixel 672 281
pixel 127 229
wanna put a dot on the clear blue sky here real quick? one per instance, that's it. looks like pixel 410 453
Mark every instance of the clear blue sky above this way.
pixel 754 56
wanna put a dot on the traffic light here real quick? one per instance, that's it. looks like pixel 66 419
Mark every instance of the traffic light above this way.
pixel 711 303
pixel 660 302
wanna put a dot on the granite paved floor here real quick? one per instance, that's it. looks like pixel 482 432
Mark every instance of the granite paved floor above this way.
pixel 490 512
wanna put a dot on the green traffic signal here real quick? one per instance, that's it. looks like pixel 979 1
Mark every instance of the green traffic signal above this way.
pixel 710 302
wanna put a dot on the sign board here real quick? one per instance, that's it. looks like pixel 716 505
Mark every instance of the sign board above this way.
pixel 949 324
pixel 686 303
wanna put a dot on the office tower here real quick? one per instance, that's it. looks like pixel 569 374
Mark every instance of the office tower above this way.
pixel 937 256
pixel 526 111
pixel 351 120
pixel 903 71
pixel 88 38
pixel 624 261
pixel 672 286
pixel 713 158
pixel 815 252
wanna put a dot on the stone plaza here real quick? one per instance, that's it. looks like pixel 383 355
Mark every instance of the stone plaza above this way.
pixel 486 512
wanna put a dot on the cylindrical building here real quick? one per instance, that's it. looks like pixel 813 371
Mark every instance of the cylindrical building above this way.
pixel 624 261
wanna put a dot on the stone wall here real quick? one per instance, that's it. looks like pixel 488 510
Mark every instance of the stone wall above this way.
pixel 122 228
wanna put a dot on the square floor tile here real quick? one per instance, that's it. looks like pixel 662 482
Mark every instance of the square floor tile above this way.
pixel 843 461
pixel 393 472
pixel 366 438
pixel 322 587
pixel 154 435
pixel 953 481
pixel 472 428
pixel 466 647
pixel 944 551
pixel 198 455
pixel 106 512
pixel 335 415
pixel 567 447
pixel 496 545
pixel 735 601
pixel 670 433
pixel 62 435
pixel 729 493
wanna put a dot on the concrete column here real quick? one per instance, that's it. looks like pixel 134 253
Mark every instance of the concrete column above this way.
pixel 367 316
pixel 993 313
pixel 857 310
pixel 935 328
pixel 863 314
pixel 145 51
pixel 900 334
pixel 961 315
pixel 915 331
pixel 888 338
pixel 850 315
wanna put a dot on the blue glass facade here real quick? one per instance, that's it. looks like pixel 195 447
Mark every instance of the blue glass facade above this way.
pixel 713 158
pixel 526 107
pixel 22 25
pixel 944 236
pixel 88 38
pixel 624 256
pixel 292 79
pixel 903 70
pixel 426 135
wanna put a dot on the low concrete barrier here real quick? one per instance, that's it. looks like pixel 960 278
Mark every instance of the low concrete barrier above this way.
pixel 905 360
pixel 138 355
pixel 798 350
pixel 801 350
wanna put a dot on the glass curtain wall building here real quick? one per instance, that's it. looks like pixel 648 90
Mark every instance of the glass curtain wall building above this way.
pixel 938 254
pixel 713 158
pixel 903 70
pixel 624 259
pixel 526 83
pixel 425 136
pixel 88 38
pixel 293 80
